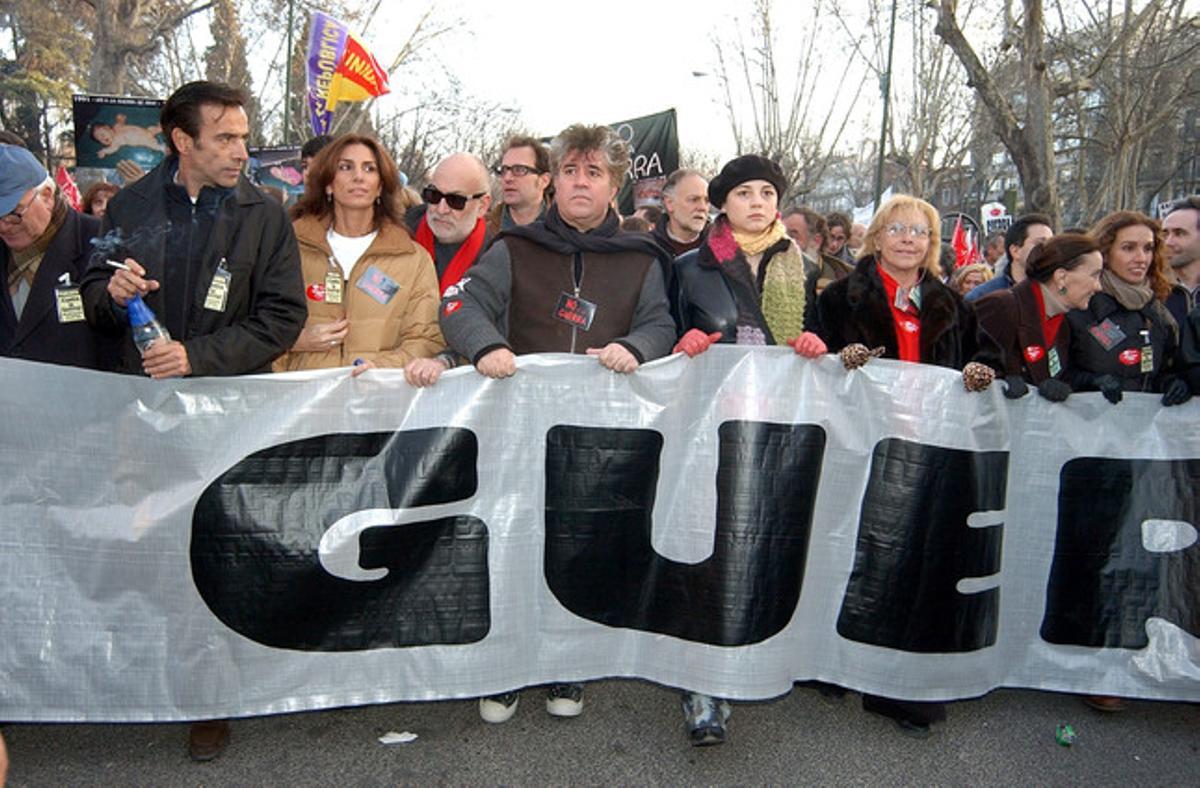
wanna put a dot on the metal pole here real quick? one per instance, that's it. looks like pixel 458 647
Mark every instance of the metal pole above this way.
pixel 887 96
pixel 287 78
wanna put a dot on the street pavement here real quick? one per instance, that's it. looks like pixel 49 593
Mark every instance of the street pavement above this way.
pixel 631 732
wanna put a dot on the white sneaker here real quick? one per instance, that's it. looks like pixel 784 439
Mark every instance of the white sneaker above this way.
pixel 499 708
pixel 564 700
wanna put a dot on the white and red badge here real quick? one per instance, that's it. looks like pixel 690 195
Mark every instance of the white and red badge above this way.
pixel 450 307
pixel 1034 353
pixel 316 291
pixel 910 327
pixel 1131 357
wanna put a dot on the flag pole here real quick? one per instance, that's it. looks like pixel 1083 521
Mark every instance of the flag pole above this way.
pixel 287 78
pixel 887 94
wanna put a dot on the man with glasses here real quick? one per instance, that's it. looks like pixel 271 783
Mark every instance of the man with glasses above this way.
pixel 46 248
pixel 451 225
pixel 524 175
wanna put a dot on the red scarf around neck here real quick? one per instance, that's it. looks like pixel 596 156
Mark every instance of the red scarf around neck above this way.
pixel 466 254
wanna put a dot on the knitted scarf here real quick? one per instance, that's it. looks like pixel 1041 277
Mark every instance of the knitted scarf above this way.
pixel 757 243
pixel 780 300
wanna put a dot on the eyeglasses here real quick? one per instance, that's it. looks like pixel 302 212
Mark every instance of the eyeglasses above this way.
pixel 14 217
pixel 914 230
pixel 456 201
pixel 518 170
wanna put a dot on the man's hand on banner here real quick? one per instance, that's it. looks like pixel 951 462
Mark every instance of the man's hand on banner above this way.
pixel 499 363
pixel 615 356
pixel 421 372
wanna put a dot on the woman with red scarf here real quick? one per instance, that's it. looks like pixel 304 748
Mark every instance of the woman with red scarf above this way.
pixel 894 305
pixel 1028 322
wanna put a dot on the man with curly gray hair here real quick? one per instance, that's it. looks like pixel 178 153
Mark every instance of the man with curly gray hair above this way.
pixel 572 283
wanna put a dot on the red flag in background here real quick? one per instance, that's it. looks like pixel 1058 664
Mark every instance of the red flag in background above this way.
pixel 958 242
pixel 974 255
pixel 67 184
pixel 358 75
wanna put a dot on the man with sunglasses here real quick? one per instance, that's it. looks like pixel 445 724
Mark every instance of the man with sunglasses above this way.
pixel 524 175
pixel 451 224
pixel 46 248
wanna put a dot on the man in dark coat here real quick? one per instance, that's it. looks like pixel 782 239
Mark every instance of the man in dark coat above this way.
pixel 46 248
pixel 215 259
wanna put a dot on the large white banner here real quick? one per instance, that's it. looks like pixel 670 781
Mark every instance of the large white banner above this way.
pixel 731 523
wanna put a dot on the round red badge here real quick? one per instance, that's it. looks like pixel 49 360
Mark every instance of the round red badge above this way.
pixel 1034 353
pixel 451 307
pixel 316 292
pixel 1131 357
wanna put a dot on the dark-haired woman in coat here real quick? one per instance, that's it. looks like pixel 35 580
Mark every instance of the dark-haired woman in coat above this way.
pixel 1028 322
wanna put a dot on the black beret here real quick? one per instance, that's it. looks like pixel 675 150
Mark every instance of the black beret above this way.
pixel 742 169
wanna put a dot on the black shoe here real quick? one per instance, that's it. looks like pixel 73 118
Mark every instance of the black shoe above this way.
pixel 912 717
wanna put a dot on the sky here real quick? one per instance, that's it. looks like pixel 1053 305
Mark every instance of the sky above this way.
pixel 559 64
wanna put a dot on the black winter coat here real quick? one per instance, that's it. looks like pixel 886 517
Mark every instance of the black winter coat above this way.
pixel 704 298
pixel 1106 340
pixel 856 309
pixel 38 335
pixel 1012 319
pixel 264 308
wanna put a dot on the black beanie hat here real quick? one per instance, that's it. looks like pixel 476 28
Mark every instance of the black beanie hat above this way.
pixel 742 169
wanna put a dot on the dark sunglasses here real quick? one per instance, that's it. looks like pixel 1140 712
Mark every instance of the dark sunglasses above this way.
pixel 456 201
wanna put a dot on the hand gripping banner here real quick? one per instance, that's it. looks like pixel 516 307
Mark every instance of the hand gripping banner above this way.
pixel 209 548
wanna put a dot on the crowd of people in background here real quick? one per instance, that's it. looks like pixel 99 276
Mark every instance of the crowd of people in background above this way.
pixel 529 254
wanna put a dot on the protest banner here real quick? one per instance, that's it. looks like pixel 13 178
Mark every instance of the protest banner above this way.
pixel 206 548
pixel 654 150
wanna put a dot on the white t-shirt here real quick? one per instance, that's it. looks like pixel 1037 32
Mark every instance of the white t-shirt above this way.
pixel 347 250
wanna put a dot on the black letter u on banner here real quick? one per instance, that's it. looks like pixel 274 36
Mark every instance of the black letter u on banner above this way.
pixel 599 562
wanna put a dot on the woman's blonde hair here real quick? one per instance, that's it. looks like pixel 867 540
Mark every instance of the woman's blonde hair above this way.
pixel 906 203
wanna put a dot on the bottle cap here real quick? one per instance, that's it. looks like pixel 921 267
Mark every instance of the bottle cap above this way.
pixel 139 313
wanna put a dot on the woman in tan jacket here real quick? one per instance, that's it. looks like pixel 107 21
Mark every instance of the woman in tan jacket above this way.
pixel 372 293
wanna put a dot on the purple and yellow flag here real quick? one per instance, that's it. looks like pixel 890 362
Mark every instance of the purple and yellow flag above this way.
pixel 339 69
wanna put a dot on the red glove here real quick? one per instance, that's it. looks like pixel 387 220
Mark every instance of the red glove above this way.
pixel 695 342
pixel 809 345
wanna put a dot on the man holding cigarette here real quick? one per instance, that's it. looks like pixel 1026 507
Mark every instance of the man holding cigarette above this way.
pixel 212 257
pixel 216 261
